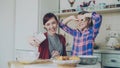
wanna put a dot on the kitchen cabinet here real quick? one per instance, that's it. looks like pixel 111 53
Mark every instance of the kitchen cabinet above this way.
pixel 98 55
pixel 26 22
pixel 109 58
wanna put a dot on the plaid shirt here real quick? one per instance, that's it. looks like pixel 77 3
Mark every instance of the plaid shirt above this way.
pixel 83 41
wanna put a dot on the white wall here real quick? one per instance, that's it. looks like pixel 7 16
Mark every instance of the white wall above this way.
pixel 109 19
pixel 7 11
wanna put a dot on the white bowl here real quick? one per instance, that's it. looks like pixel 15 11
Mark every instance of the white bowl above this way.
pixel 27 56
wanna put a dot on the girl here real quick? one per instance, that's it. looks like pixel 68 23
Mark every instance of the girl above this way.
pixel 85 33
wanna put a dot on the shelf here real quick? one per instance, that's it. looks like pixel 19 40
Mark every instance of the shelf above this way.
pixel 109 10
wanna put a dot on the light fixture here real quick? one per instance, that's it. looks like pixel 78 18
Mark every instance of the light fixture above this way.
pixel 71 2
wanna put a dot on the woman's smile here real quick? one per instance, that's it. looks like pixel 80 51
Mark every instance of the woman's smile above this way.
pixel 51 26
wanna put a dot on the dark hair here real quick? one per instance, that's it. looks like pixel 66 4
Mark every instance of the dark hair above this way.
pixel 48 16
pixel 87 18
pixel 83 12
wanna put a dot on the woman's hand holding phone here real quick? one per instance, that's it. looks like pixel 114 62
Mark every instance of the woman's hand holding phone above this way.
pixel 37 39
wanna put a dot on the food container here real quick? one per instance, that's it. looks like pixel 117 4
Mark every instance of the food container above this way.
pixel 88 59
pixel 26 56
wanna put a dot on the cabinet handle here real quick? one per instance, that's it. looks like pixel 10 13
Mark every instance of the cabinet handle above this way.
pixel 113 60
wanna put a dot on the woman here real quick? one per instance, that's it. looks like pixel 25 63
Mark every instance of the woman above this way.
pixel 54 44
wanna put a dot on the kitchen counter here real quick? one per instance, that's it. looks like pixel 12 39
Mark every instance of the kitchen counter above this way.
pixel 108 57
pixel 15 64
pixel 107 51
pixel 68 49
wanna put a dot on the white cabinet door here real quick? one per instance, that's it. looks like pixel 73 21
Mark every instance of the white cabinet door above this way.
pixel 111 60
pixel 26 22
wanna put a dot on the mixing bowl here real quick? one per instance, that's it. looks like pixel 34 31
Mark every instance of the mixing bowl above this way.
pixel 88 59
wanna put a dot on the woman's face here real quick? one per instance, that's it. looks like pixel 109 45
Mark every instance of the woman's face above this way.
pixel 51 26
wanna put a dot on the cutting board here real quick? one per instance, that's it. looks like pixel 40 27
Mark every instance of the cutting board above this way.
pixel 39 61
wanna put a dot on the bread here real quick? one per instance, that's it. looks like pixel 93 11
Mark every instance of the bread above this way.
pixel 74 58
pixel 62 58
pixel 67 58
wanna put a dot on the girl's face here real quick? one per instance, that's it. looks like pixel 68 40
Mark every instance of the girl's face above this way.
pixel 51 26
pixel 82 24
